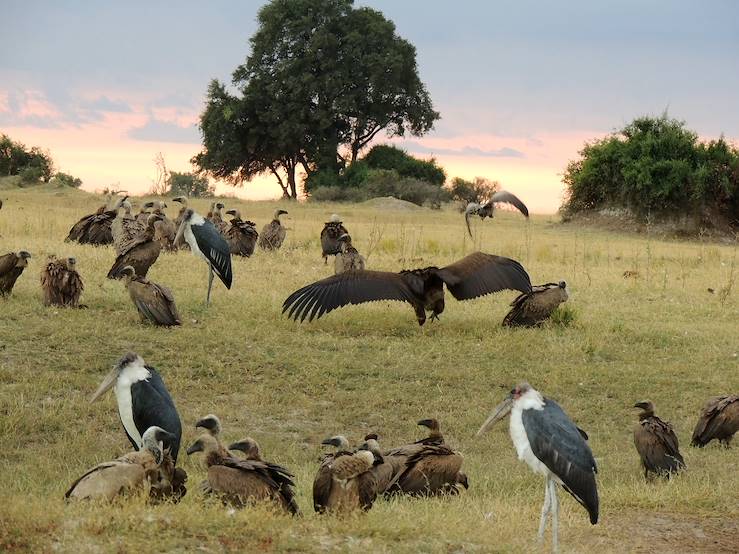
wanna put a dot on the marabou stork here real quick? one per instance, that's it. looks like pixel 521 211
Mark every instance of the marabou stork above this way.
pixel 551 444
pixel 207 243
pixel 143 401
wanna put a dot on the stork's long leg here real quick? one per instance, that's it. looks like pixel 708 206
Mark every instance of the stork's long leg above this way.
pixel 555 515
pixel 545 509
pixel 210 284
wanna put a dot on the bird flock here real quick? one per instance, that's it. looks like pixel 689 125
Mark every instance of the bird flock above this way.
pixel 349 478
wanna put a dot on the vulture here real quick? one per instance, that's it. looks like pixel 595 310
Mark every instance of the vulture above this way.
pixel 155 303
pixel 134 471
pixel 143 401
pixel 95 228
pixel 534 307
pixel 656 443
pixel 165 229
pixel 475 275
pixel 144 212
pixel 486 209
pixel 240 482
pixel 385 471
pixel 125 228
pixel 348 258
pixel 719 420
pixel 140 253
pixel 215 216
pixel 345 482
pixel 435 437
pixel 273 233
pixel 12 265
pixel 61 284
pixel 331 234
pixel 241 235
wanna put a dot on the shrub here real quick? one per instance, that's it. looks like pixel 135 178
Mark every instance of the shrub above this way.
pixel 477 190
pixel 67 180
pixel 384 156
pixel 189 184
pixel 15 158
pixel 30 175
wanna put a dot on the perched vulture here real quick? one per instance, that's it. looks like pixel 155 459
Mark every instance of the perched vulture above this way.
pixel 348 259
pixel 656 442
pixel 240 482
pixel 12 265
pixel 719 420
pixel 178 220
pixel 61 284
pixel 134 471
pixel 385 471
pixel 273 233
pixel 475 275
pixel 534 307
pixel 486 209
pixel 143 215
pixel 215 216
pixel 345 482
pixel 165 229
pixel 140 253
pixel 125 228
pixel 332 231
pixel 241 235
pixel 155 303
pixel 95 229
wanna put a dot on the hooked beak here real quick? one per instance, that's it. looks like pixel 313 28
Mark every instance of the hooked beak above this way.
pixel 241 445
pixel 500 411
pixel 330 442
pixel 195 447
pixel 425 423
pixel 106 385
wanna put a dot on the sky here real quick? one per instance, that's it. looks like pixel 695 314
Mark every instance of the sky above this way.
pixel 520 86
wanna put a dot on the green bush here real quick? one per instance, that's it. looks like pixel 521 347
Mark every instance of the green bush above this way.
pixel 384 156
pixel 477 190
pixel 15 158
pixel 30 175
pixel 189 184
pixel 67 180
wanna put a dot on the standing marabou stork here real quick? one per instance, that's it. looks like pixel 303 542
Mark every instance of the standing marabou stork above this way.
pixel 552 445
pixel 143 401
pixel 207 242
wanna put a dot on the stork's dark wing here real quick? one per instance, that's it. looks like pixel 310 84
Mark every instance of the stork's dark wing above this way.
pixel 479 274
pixel 350 287
pixel 212 244
pixel 557 442
pixel 152 405
pixel 508 198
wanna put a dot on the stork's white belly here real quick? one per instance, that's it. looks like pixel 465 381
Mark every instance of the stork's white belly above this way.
pixel 521 442
pixel 130 375
pixel 190 239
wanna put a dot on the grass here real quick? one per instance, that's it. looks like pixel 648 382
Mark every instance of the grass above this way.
pixel 660 336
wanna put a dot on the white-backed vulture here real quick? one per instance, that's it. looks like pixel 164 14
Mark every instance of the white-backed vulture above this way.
pixel 12 265
pixel 487 209
pixel 474 275
pixel 164 229
pixel 241 235
pixel 273 233
pixel 719 420
pixel 534 307
pixel 656 443
pixel 155 303
pixel 180 243
pixel 141 253
pixel 385 470
pixel 61 283
pixel 125 227
pixel 239 482
pixel 348 258
pixel 136 470
pixel 95 228
pixel 332 230
pixel 215 216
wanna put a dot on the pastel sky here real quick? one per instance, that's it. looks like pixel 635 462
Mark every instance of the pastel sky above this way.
pixel 521 85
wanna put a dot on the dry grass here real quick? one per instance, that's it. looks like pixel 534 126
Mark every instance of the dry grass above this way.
pixel 661 336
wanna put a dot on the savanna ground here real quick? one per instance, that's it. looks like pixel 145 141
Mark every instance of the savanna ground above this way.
pixel 660 336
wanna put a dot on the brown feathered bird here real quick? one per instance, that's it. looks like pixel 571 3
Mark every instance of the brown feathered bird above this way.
pixel 273 233
pixel 656 443
pixel 155 303
pixel 12 265
pixel 140 253
pixel 487 209
pixel 215 216
pixel 332 230
pixel 125 228
pixel 475 275
pixel 386 467
pixel 95 228
pixel 164 229
pixel 534 307
pixel 61 283
pixel 180 244
pixel 241 235
pixel 348 258
pixel 719 420
pixel 241 482
pixel 136 470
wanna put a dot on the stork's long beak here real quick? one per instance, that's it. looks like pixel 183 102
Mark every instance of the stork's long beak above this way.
pixel 180 232
pixel 106 385
pixel 500 411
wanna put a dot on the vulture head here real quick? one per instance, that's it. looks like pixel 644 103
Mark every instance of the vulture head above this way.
pixel 234 212
pixel 71 264
pixel 127 272
pixel 153 441
pixel 646 407
pixel 210 423
pixel 129 359
pixel 431 424
pixel 334 218
pixel 249 447
pixel 339 441
pixel 23 257
pixel 206 443
pixel 278 213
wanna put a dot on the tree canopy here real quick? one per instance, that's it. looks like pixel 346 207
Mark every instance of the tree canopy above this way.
pixel 16 159
pixel 656 166
pixel 322 80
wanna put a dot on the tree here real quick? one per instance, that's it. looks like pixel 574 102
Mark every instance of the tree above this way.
pixel 322 80
pixel 477 190
pixel 189 184
pixel 15 159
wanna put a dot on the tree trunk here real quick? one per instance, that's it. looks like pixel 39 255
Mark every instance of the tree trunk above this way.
pixel 291 182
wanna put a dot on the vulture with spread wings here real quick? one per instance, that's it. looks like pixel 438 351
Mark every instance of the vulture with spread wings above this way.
pixel 472 276
pixel 487 209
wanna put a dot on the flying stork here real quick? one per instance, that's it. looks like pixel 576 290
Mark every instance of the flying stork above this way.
pixel 143 401
pixel 552 445
pixel 207 243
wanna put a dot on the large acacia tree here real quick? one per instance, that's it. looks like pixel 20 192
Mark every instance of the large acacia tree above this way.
pixel 322 80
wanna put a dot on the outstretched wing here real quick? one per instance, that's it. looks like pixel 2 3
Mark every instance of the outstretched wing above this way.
pixel 508 198
pixel 350 287
pixel 479 274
